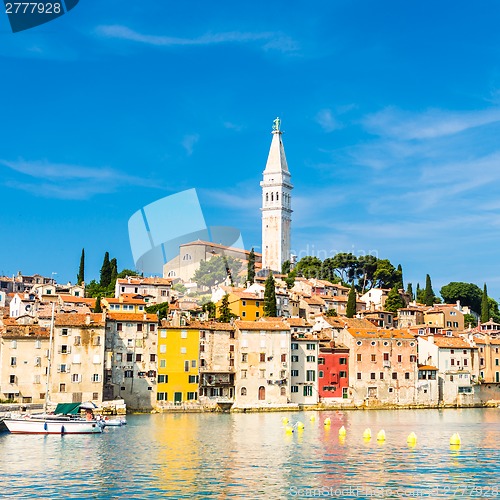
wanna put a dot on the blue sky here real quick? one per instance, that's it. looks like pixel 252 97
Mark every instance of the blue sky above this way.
pixel 390 112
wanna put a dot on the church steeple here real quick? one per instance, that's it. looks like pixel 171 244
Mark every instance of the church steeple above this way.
pixel 276 204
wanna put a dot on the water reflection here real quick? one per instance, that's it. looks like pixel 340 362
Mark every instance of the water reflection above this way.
pixel 251 455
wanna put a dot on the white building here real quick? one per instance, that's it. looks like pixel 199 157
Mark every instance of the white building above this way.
pixel 160 289
pixel 304 370
pixel 276 205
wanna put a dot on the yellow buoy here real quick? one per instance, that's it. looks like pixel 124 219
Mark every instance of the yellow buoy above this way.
pixel 455 440
pixel 412 438
pixel 367 434
pixel 327 421
pixel 300 426
pixel 284 420
pixel 381 435
pixel 313 418
pixel 342 431
pixel 289 429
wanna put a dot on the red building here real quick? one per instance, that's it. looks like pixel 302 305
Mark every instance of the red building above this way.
pixel 333 371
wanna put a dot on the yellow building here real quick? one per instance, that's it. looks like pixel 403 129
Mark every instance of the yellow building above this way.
pixel 125 303
pixel 245 305
pixel 178 372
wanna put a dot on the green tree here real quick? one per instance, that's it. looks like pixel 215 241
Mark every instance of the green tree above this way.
pixel 94 289
pixel 97 307
pixel 225 314
pixel 428 296
pixel 290 279
pixel 126 272
pixel 367 266
pixel 105 271
pixel 251 267
pixel 399 273
pixel 179 287
pixel 344 265
pixel 485 306
pixel 286 267
pixel 113 263
pixel 211 308
pixel 81 270
pixel 468 294
pixel 309 267
pixel 216 270
pixel 386 275
pixel 351 303
pixel 331 313
pixel 393 302
pixel 161 310
pixel 409 291
pixel 418 294
pixel 270 308
pixel 469 319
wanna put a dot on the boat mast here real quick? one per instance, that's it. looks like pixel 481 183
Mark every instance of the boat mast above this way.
pixel 49 359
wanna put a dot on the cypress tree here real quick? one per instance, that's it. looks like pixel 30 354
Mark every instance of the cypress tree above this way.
pixel 429 293
pixel 105 271
pixel 225 313
pixel 97 307
pixel 251 267
pixel 400 276
pixel 114 270
pixel 394 300
pixel 409 291
pixel 351 303
pixel 81 270
pixel 270 308
pixel 485 306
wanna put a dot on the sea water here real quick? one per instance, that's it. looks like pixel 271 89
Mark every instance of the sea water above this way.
pixel 254 456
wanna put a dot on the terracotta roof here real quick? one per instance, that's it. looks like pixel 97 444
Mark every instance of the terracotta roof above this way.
pixel 427 367
pixel 78 319
pixel 117 316
pixel 314 301
pixel 246 295
pixel 77 300
pixel 298 322
pixel 366 333
pixel 214 325
pixel 491 342
pixel 451 342
pixel 341 322
pixel 261 325
pixel 25 331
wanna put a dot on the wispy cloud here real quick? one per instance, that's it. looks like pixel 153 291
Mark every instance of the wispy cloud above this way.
pixel 432 123
pixel 66 181
pixel 327 121
pixel 189 141
pixel 269 40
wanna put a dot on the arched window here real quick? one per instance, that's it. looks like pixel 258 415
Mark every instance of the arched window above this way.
pixel 267 196
pixel 272 197
pixel 243 391
pixel 262 393
pixel 187 256
pixel 171 274
pixel 277 196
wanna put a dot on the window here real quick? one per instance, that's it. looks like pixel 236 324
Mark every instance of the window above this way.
pixel 257 303
pixel 161 396
pixel 62 368
pixel 64 331
pixel 343 374
pixel 13 361
pixel 381 375
pixel 358 375
pixel 308 390
pixel 394 376
pixel 465 390
pixel 152 358
pixel 465 362
pixel 129 373
pixel 321 361
pixel 311 347
pixel 96 377
pixel 243 391
pixel 162 379
pixel 163 334
pixel 407 375
pixel 38 361
pixel 320 374
pixel 163 363
pixel 12 379
pixel 76 378
pixel 262 357
pixel 374 358
pixel 193 379
pixel 386 356
pixel 294 373
pixel 138 357
pixel 244 357
pixel 38 344
pixel 96 359
pixel 183 350
pixel 452 362
pixel 400 358
pixel 243 374
pixel 283 358
pixel 78 340
pixel 413 358
pixel 358 357
pixel 186 366
pixel 62 387
pixel 36 379
pixel 294 388
pixel 118 357
pixel 310 375
pixel 163 349
pixel 119 327
pixel 295 346
pixel 130 357
pixel 342 361
pixel 310 359
pixel 372 376
pixel 192 396
pixel 13 344
pixel 295 359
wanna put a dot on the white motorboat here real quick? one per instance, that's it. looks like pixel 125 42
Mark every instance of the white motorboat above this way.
pixel 113 422
pixel 51 424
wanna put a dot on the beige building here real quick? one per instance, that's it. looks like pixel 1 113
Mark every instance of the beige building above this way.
pixel 445 316
pixel 262 363
pixel 410 316
pixel 183 266
pixel 159 289
pixel 218 347
pixel 131 359
pixel 23 362
pixel 77 358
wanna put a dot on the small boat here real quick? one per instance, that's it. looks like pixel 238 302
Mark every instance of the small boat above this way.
pixel 113 422
pixel 65 420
